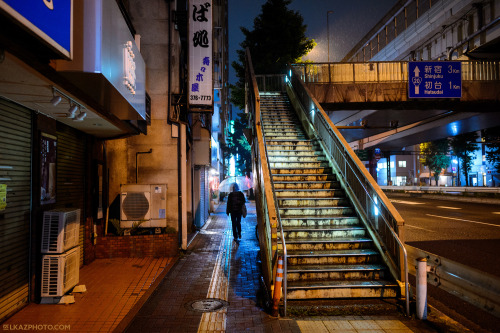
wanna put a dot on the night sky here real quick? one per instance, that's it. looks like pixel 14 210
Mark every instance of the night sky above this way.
pixel 349 22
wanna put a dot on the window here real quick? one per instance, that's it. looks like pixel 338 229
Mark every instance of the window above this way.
pixel 402 164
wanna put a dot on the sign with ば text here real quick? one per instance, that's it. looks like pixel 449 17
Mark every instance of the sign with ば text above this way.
pixel 200 84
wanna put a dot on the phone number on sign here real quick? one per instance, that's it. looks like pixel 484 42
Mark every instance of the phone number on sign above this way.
pixel 200 98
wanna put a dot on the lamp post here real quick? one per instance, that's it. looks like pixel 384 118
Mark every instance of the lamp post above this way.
pixel 328 32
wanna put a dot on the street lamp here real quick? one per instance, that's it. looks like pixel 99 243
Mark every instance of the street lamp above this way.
pixel 328 32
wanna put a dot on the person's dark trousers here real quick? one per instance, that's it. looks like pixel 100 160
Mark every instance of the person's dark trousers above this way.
pixel 236 221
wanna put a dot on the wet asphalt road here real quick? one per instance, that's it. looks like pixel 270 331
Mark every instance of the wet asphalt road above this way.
pixel 465 232
pixel 468 233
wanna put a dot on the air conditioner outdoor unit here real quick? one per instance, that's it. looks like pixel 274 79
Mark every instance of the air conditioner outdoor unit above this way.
pixel 60 272
pixel 60 230
pixel 143 203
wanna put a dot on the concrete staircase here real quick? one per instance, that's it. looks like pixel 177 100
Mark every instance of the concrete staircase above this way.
pixel 330 252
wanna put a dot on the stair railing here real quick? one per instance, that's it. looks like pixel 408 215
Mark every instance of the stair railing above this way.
pixel 282 234
pixel 268 215
pixel 370 202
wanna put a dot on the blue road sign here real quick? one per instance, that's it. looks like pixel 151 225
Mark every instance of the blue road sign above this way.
pixel 435 79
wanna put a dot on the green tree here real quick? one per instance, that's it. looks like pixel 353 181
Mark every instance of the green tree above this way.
pixel 434 155
pixel 463 146
pixel 277 39
pixel 491 137
pixel 238 146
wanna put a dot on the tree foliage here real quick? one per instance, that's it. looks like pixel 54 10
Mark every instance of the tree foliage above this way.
pixel 278 38
pixel 463 146
pixel 434 155
pixel 238 146
pixel 492 138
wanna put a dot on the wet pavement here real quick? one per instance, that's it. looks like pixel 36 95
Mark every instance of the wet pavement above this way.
pixel 214 286
pixel 217 272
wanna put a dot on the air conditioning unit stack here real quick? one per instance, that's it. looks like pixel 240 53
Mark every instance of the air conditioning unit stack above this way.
pixel 60 230
pixel 144 204
pixel 60 273
pixel 61 262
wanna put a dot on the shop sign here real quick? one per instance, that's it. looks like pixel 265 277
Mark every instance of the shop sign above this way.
pixel 435 79
pixel 110 59
pixel 200 54
pixel 3 196
pixel 50 20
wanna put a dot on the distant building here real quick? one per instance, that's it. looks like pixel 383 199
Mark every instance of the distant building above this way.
pixel 432 31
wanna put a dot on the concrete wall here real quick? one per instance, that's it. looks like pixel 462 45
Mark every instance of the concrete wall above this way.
pixel 150 19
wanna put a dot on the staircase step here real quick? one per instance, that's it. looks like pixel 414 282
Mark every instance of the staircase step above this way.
pixel 311 202
pixel 320 221
pixel 306 185
pixel 316 211
pixel 304 177
pixel 335 272
pixel 294 159
pixel 341 289
pixel 304 170
pixel 288 153
pixel 309 193
pixel 292 233
pixel 299 165
pixel 327 244
pixel 361 256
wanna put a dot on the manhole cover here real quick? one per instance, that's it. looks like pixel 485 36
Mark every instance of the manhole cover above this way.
pixel 207 305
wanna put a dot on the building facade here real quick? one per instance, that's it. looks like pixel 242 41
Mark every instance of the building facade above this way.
pixel 93 96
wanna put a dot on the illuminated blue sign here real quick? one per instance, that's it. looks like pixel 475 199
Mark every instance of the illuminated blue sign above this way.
pixel 49 19
pixel 435 79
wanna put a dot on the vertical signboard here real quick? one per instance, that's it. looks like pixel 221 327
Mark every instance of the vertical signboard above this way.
pixel 200 84
pixel 50 20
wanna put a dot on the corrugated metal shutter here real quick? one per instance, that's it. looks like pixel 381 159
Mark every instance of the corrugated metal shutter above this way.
pixel 15 172
pixel 71 153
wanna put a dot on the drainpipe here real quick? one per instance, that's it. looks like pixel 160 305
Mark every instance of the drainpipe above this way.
pixel 183 185
pixel 136 166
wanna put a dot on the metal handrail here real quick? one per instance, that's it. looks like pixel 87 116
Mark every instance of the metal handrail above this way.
pixel 253 94
pixel 348 165
pixel 385 71
pixel 283 242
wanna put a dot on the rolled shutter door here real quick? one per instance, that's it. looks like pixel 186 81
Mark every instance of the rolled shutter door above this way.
pixel 15 173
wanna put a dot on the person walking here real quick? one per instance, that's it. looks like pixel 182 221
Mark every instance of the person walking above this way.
pixel 235 203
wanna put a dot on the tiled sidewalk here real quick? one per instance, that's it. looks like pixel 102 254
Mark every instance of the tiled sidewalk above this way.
pixel 113 287
pixel 192 278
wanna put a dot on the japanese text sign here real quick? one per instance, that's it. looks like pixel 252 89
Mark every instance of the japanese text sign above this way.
pixel 200 84
pixel 435 79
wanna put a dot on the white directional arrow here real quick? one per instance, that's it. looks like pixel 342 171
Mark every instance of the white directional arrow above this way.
pixel 416 71
pixel 416 80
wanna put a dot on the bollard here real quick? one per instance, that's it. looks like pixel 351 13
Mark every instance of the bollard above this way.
pixel 422 288
pixel 277 287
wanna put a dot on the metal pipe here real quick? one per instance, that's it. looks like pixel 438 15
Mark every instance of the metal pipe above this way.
pixel 136 166
pixel 422 288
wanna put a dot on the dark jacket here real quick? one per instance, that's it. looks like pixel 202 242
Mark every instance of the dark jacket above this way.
pixel 235 202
